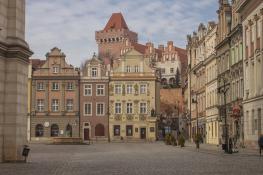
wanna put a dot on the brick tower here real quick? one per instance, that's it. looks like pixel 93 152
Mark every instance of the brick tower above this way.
pixel 113 37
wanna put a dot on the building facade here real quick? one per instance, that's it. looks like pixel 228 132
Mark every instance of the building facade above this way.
pixel 14 54
pixel 133 99
pixel 94 101
pixel 251 13
pixel 55 98
pixel 212 117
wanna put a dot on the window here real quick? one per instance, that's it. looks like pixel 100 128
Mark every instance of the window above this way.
pixel 116 129
pixel 40 105
pixel 117 108
pixel 87 89
pixel 129 108
pixel 129 130
pixel 39 130
pixel 171 70
pixel 40 86
pixel 136 69
pixel 142 89
pixel 143 108
pixel 87 109
pixel 94 72
pixel 152 129
pixel 69 86
pixel 129 89
pixel 55 69
pixel 54 105
pixel 163 70
pixel 100 90
pixel 69 104
pixel 54 130
pixel 128 68
pixel 55 86
pixel 118 89
pixel 100 109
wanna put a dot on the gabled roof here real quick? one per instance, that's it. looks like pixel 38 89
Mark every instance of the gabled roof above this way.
pixel 116 21
pixel 36 63
pixel 139 47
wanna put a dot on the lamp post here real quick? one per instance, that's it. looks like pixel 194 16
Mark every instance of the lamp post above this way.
pixel 194 100
pixel 223 90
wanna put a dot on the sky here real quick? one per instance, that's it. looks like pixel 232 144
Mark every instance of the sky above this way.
pixel 71 24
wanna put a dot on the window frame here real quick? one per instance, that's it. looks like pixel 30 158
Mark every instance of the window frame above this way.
pixel 103 109
pixel 144 107
pixel 119 88
pixel 97 90
pixel 38 86
pixel 84 110
pixel 94 72
pixel 87 88
pixel 54 106
pixel 115 127
pixel 130 89
pixel 129 108
pixel 71 105
pixel 145 91
pixel 118 110
pixel 55 86
pixel 42 105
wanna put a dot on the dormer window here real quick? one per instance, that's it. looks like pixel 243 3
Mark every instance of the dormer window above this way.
pixel 94 72
pixel 128 68
pixel 136 68
pixel 55 69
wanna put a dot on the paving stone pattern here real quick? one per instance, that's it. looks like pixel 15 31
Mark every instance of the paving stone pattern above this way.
pixel 131 159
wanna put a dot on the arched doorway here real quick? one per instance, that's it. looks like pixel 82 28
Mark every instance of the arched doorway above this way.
pixel 164 81
pixel 172 81
pixel 69 130
pixel 54 130
pixel 39 132
pixel 99 130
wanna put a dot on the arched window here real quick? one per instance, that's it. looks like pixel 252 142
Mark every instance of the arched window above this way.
pixel 54 130
pixel 164 81
pixel 69 130
pixel 99 130
pixel 39 130
pixel 172 81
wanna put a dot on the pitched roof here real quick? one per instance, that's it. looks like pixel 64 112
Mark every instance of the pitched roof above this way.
pixel 139 47
pixel 36 63
pixel 116 21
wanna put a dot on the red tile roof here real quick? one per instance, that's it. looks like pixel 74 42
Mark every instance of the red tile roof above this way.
pixel 36 63
pixel 139 47
pixel 116 21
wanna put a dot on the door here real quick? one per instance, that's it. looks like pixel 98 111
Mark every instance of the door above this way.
pixel 86 134
pixel 143 133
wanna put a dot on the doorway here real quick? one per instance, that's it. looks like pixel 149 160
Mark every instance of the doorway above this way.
pixel 86 134
pixel 143 133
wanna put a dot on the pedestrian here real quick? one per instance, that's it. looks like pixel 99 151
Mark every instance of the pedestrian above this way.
pixel 260 144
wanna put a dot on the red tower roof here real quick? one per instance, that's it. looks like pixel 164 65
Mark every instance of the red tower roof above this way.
pixel 116 21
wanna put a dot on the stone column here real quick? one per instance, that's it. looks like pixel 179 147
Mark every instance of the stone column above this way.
pixel 14 54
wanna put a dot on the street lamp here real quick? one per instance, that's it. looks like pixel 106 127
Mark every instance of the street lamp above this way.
pixel 194 100
pixel 223 90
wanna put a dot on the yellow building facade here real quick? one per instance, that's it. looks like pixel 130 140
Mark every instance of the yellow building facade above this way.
pixel 133 99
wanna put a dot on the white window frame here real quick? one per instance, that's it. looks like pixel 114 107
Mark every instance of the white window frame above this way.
pixel 40 86
pixel 70 86
pixel 145 108
pixel 70 105
pixel 137 69
pixel 84 109
pixel 55 69
pixel 129 88
pixel 118 111
pixel 145 90
pixel 115 89
pixel 94 72
pixel 100 89
pixel 87 89
pixel 171 70
pixel 129 109
pixel 55 86
pixel 103 108
pixel 54 105
pixel 40 105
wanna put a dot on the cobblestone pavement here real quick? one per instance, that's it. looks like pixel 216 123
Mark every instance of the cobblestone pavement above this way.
pixel 131 159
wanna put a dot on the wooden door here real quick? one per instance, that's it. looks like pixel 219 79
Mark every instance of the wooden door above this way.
pixel 143 133
pixel 86 134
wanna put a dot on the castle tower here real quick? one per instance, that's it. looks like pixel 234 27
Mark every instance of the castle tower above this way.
pixel 114 36
pixel 14 54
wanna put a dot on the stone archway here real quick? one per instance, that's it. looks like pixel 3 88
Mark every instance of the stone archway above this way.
pixel 99 130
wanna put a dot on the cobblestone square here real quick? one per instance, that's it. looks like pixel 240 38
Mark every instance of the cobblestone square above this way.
pixel 131 158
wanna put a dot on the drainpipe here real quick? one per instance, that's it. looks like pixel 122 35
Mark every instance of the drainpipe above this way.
pixel 79 101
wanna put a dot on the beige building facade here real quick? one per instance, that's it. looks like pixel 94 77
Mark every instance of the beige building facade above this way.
pixel 133 99
pixel 14 54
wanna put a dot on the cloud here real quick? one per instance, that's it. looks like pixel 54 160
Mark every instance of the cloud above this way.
pixel 71 25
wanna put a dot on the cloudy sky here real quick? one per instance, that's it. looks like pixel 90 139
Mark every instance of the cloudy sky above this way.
pixel 71 24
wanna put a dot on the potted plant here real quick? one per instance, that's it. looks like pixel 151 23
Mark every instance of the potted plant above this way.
pixel 168 139
pixel 181 141
pixel 173 141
